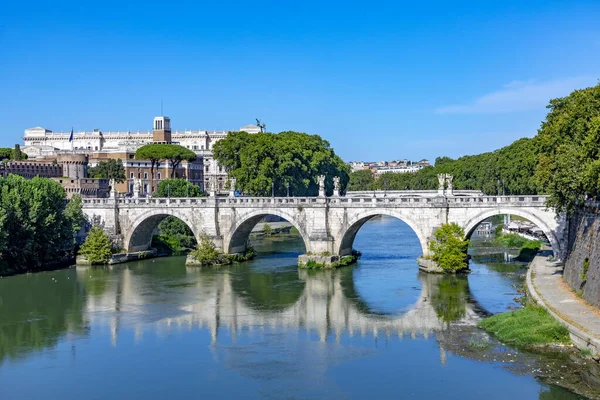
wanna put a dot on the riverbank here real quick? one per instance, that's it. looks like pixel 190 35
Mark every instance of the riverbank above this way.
pixel 546 286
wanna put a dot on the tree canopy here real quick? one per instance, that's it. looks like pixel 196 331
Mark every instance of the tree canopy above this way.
pixel 39 221
pixel 111 169
pixel 509 170
pixel 178 188
pixel 12 154
pixel 569 149
pixel 157 152
pixel 261 160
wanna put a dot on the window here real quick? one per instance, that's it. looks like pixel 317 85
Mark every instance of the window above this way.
pixel 194 147
pixel 131 175
pixel 158 175
pixel 145 175
pixel 202 147
pixel 139 174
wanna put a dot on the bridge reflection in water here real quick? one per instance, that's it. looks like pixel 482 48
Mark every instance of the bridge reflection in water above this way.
pixel 245 299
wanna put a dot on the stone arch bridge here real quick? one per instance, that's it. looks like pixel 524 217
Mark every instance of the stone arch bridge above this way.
pixel 328 225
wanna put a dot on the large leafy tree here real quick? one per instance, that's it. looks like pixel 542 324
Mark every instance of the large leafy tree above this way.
pixel 97 247
pixel 39 221
pixel 449 247
pixel 157 152
pixel 263 161
pixel 6 153
pixel 361 180
pixel 569 149
pixel 111 169
pixel 178 188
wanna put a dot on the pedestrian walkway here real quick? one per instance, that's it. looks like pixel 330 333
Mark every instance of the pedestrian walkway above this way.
pixel 546 285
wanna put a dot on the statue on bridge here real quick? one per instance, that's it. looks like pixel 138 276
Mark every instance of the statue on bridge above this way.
pixel 137 187
pixel 321 180
pixel 445 184
pixel 232 187
pixel 336 186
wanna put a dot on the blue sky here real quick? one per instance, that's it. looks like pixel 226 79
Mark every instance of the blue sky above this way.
pixel 379 80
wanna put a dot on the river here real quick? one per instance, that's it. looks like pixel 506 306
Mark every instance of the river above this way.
pixel 155 329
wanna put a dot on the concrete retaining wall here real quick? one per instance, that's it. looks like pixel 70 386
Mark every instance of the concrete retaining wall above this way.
pixel 584 243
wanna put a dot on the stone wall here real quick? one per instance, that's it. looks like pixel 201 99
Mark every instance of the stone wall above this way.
pixel 584 244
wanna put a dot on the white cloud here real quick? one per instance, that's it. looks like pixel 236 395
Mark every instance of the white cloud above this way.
pixel 519 96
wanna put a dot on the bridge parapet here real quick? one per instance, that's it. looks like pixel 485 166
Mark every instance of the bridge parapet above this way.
pixel 399 201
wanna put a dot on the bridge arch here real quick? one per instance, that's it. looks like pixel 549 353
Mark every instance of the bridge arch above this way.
pixel 237 238
pixel 139 236
pixel 343 245
pixel 537 220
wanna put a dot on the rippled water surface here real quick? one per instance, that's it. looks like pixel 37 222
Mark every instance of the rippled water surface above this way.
pixel 155 329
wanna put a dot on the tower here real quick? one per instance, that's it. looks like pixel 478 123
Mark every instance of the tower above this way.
pixel 162 130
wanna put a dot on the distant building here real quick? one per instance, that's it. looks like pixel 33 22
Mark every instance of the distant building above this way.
pixel 42 143
pixel 70 170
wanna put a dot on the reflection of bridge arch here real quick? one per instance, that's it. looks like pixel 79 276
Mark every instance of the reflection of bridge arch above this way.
pixel 214 301
pixel 139 236
pixel 472 224
pixel 237 237
pixel 353 226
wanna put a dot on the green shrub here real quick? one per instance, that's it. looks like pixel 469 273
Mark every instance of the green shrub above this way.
pixel 529 326
pixel 268 231
pixel 449 248
pixel 584 270
pixel 529 250
pixel 97 247
pixel 207 254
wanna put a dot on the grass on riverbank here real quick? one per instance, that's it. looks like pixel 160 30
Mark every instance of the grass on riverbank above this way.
pixel 531 326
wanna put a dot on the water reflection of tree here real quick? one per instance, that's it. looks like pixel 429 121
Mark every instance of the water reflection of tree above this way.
pixel 268 290
pixel 449 295
pixel 37 310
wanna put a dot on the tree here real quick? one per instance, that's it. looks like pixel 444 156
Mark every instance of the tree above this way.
pixel 206 253
pixel 263 161
pixel 178 188
pixel 97 247
pixel 6 153
pixel 74 214
pixel 157 152
pixel 111 169
pixel 569 149
pixel 361 180
pixel 39 222
pixel 449 247
pixel 18 155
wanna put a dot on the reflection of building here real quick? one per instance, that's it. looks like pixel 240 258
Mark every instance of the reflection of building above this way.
pixel 41 142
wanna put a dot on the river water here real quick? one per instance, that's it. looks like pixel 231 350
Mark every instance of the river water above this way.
pixel 155 329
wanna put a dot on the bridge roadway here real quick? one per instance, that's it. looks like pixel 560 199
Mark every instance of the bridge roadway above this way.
pixel 328 225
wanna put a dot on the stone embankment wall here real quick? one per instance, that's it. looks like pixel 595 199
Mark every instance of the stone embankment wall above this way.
pixel 582 265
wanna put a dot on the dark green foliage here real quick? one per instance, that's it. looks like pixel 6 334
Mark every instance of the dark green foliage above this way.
pixel 529 250
pixel 584 269
pixel 207 254
pixel 450 297
pixel 267 230
pixel 97 247
pixel 18 155
pixel 37 223
pixel 569 149
pixel 174 235
pixel 178 188
pixel 8 154
pixel 530 326
pixel 111 169
pixel 261 160
pixel 248 255
pixel 361 180
pixel 157 152
pixel 449 247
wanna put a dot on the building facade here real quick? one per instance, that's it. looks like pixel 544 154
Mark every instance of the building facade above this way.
pixel 40 142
